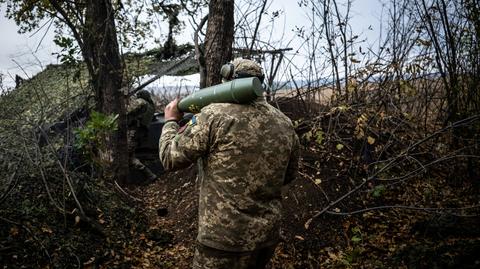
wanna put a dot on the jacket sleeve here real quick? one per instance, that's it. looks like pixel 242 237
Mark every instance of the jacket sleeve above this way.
pixel 181 147
pixel 292 168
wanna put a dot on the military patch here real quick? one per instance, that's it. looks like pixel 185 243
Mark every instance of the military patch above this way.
pixel 191 122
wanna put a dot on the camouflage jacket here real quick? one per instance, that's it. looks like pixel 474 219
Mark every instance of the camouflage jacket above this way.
pixel 246 153
pixel 139 112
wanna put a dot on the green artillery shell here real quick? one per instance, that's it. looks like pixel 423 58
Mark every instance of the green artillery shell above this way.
pixel 240 91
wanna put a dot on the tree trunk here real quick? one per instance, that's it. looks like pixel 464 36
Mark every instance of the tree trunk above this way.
pixel 100 40
pixel 219 39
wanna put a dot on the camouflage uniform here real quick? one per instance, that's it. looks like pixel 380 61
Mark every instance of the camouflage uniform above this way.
pixel 247 67
pixel 206 257
pixel 246 154
pixel 140 112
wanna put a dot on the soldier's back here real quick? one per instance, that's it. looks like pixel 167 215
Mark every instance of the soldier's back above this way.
pixel 240 194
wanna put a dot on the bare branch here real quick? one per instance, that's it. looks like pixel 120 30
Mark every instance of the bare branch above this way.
pixel 434 210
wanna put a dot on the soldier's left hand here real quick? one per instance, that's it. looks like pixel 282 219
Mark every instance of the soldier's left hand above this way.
pixel 172 112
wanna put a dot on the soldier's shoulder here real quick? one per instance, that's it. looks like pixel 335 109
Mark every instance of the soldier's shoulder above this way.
pixel 134 100
pixel 279 114
pixel 135 103
pixel 220 108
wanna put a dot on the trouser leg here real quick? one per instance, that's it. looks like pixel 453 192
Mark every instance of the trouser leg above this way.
pixel 134 162
pixel 261 257
pixel 138 165
pixel 210 258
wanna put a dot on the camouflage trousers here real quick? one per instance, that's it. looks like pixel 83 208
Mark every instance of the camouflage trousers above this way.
pixel 133 136
pixel 210 258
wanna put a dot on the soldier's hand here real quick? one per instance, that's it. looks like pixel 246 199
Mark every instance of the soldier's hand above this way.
pixel 172 112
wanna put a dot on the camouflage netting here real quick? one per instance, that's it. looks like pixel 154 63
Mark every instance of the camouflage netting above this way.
pixel 52 213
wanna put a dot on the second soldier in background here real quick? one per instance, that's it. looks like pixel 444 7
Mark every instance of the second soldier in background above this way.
pixel 140 112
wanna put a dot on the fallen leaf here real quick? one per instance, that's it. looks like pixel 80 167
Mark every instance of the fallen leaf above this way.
pixel 46 230
pixel 14 231
pixel 92 259
pixel 299 237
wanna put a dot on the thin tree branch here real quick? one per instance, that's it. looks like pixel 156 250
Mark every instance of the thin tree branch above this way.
pixel 200 54
pixel 435 210
pixel 389 165
pixel 255 32
pixel 12 182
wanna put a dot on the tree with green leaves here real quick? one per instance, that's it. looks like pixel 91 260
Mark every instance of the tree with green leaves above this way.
pixel 91 23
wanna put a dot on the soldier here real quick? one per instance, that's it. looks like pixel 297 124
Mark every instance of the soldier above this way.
pixel 140 112
pixel 245 153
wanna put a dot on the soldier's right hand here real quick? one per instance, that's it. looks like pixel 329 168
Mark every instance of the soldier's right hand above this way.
pixel 172 112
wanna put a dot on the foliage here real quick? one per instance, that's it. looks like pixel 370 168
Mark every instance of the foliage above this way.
pixel 69 51
pixel 91 138
pixel 378 191
pixel 43 235
pixel 48 95
pixel 45 99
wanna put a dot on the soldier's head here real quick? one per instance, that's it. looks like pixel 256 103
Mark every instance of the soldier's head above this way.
pixel 145 95
pixel 242 68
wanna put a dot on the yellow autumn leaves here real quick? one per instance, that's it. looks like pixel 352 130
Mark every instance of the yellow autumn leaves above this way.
pixel 359 132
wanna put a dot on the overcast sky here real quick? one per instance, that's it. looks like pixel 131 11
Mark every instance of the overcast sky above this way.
pixel 27 54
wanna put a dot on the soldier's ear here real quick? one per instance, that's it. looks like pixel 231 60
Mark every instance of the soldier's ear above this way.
pixel 227 71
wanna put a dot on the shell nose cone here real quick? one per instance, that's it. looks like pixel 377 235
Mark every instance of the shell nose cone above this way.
pixel 257 87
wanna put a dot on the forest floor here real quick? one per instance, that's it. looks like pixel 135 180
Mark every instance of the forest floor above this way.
pixel 427 220
pixel 379 238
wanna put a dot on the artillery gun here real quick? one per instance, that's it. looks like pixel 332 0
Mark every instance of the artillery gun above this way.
pixel 240 91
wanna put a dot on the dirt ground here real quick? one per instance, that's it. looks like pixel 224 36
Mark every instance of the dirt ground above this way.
pixel 392 238
pixel 171 205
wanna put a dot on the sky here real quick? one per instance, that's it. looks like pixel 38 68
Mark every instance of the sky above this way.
pixel 23 54
pixel 27 54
